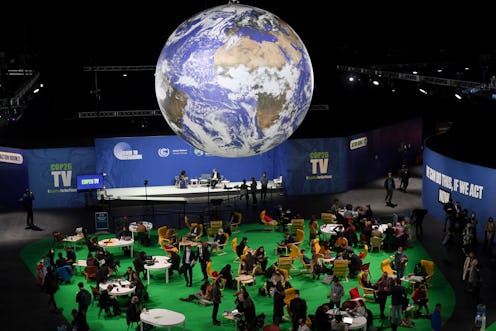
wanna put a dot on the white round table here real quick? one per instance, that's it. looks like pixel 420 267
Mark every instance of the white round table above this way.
pixel 114 242
pixel 330 229
pixel 162 318
pixel 161 263
pixel 133 226
pixel 119 287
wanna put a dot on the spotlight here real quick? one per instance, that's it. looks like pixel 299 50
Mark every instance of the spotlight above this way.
pixel 458 96
pixel 422 91
pixel 375 82
pixel 351 79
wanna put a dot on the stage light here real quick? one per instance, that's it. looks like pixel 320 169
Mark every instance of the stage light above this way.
pixel 458 96
pixel 415 72
pixel 36 90
pixel 41 85
pixel 422 91
pixel 124 75
pixel 351 79
pixel 375 82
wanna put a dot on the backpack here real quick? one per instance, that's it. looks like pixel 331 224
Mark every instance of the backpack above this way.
pixel 85 298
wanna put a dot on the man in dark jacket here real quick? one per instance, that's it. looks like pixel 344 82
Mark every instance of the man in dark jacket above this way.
pixel 297 309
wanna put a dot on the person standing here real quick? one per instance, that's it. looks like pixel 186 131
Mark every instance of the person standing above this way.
pixel 489 230
pixel 336 293
pixel 216 299
pixel 203 258
pixel 51 285
pixel 389 185
pixel 436 320
pixel 297 309
pixel 279 304
pixel 404 177
pixel 27 202
pixel 83 298
pixel 383 286
pixel 243 192
pixel 264 181
pixel 471 271
pixel 253 190
pixel 398 297
pixel 188 260
pixel 399 262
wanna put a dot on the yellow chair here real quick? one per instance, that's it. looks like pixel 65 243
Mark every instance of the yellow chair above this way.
pixel 234 245
pixel 375 242
pixel 219 249
pixel 268 226
pixel 386 267
pixel 367 292
pixel 214 228
pixel 428 267
pixel 161 232
pixel 365 252
pixel 289 295
pixel 236 221
pixel 341 269
pixel 300 236
pixel 285 263
pixel 328 218
pixel 297 223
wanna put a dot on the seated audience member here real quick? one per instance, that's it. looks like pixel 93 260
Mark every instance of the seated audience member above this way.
pixel 260 257
pixel 70 255
pixel 288 239
pixel 219 240
pixel 365 278
pixel 204 296
pixel 91 261
pixel 215 178
pixel 341 243
pixel 305 258
pixel 175 261
pixel 337 323
pixel 138 284
pixel 270 285
pixel 193 232
pixel 107 300
pixel 123 233
pixel 103 274
pixel 128 275
pixel 92 245
pixel 376 232
pixel 322 321
pixel 139 263
pixel 355 264
pixel 241 246
pixel 226 274
pixel 183 180
pixel 133 310
pixel 61 261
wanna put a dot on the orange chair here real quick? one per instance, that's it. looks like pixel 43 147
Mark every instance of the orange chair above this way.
pixel 90 272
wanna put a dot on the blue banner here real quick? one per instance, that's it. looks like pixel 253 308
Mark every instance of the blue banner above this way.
pixel 53 173
pixel 129 161
pixel 472 185
pixel 318 166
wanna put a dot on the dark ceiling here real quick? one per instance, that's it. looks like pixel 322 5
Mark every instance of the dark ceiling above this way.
pixel 59 40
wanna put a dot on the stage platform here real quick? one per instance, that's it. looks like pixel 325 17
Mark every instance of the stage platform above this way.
pixel 174 194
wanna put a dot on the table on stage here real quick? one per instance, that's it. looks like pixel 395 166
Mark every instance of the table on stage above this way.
pixel 133 226
pixel 114 242
pixel 160 263
pixel 120 287
pixel 162 318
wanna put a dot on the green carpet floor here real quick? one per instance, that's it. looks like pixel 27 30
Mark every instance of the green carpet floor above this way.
pixel 199 317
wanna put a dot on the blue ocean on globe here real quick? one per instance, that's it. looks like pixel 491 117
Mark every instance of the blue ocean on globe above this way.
pixel 234 81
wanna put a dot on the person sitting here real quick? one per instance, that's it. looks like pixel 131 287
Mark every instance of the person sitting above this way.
pixel 365 279
pixel 70 255
pixel 283 245
pixel 341 243
pixel 360 309
pixel 60 262
pixel 260 257
pixel 123 233
pixel 240 249
pixel 107 300
pixel 103 274
pixel 137 283
pixel 355 264
pixel 219 240
pixel 203 297
pixel 175 261
pixel 215 178
pixel 305 258
pixel 337 323
pixel 133 310
pixel 183 180
pixel 91 261
pixel 128 275
pixel 194 232
pixel 139 263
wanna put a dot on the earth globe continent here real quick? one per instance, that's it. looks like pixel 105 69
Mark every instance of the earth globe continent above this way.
pixel 234 81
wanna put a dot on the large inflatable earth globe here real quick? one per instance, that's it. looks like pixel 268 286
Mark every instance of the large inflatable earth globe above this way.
pixel 234 81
